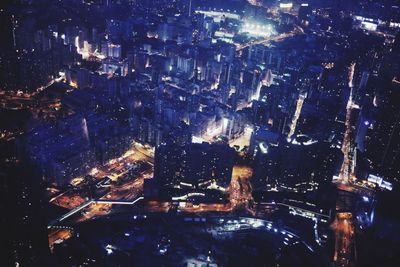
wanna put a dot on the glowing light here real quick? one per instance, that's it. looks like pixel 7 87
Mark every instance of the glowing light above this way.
pixel 296 116
pixel 197 140
pixel 110 249
pixel 225 122
pixel 263 148
pixel 257 29
pixel 369 26
pixel 286 5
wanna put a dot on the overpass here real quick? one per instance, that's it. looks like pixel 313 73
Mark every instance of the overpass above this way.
pixel 88 203
pixel 296 210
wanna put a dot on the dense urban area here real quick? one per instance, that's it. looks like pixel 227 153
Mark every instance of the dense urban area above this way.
pixel 200 133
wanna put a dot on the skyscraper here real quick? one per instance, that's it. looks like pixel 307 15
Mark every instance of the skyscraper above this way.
pixel 195 165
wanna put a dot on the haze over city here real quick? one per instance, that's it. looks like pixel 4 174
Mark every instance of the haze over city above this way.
pixel 216 133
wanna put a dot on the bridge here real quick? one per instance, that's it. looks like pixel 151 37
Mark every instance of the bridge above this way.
pixel 90 202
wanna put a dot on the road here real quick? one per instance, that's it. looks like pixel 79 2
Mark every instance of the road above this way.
pixel 243 140
pixel 276 38
pixel 15 99
pixel 124 186
pixel 92 211
pixel 344 239
pixel 240 196
pixel 343 225
pixel 345 174
pixel 58 236
pixel 126 191
pixel 40 106
pixel 240 188
pixel 69 200
pixel 299 106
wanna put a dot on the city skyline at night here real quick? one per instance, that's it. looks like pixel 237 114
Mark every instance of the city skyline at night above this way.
pixel 200 133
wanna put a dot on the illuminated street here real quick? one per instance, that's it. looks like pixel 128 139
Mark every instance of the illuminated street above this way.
pixel 344 239
pixel 343 225
pixel 196 133
pixel 240 197
pixel 57 236
pixel 69 200
pixel 243 140
pixel 344 175
pixel 92 211
pixel 267 40
pixel 240 189
pixel 299 105
pixel 122 188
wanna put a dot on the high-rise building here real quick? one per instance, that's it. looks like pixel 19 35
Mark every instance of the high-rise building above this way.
pixel 295 167
pixel 194 165
pixel 382 147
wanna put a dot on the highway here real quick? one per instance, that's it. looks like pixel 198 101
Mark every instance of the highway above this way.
pixel 343 224
pixel 269 39
pixel 57 236
pixel 242 140
pixel 123 185
pixel 345 174
pixel 299 106
pixel 88 211
pixel 344 236
pixel 240 188
pixel 124 190
pixel 40 105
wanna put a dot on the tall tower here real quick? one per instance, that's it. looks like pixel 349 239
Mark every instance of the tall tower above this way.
pixel 14 27
pixel 85 131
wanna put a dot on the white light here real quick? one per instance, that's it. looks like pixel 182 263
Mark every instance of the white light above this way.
pixel 249 129
pixel 109 249
pixel 263 148
pixel 286 5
